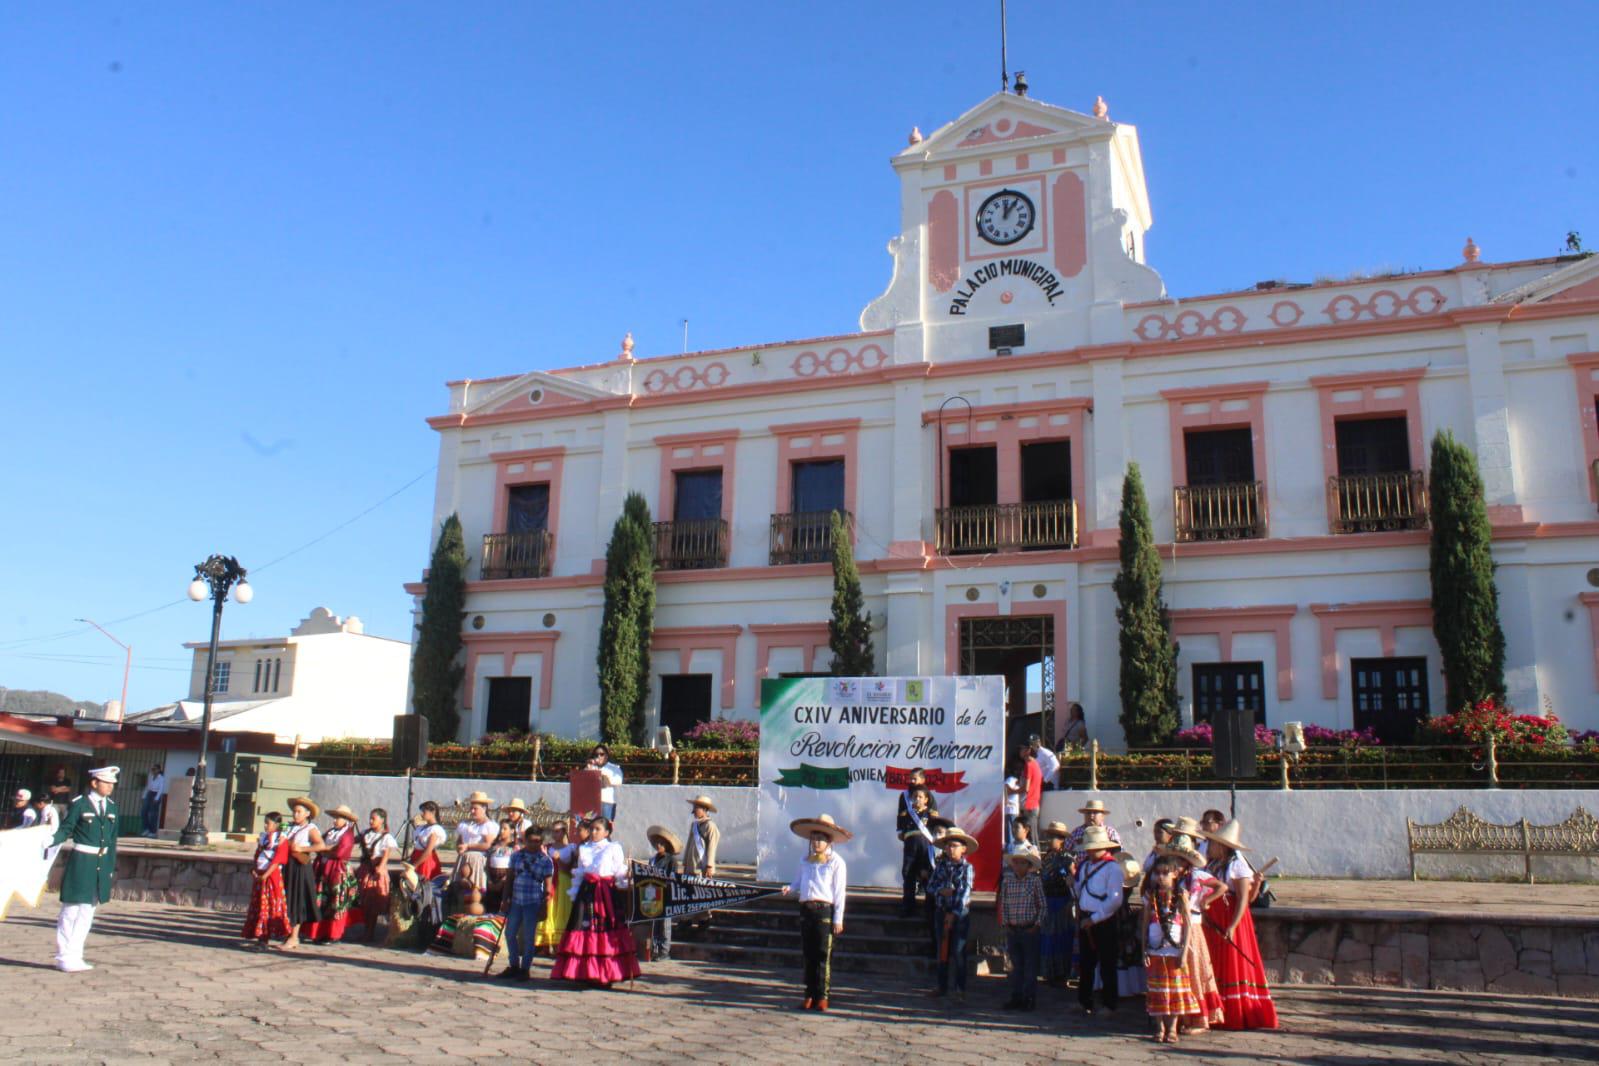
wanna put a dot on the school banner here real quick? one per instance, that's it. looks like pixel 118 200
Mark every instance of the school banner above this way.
pixel 676 895
pixel 845 746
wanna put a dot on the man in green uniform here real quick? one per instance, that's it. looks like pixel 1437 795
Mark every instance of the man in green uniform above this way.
pixel 91 825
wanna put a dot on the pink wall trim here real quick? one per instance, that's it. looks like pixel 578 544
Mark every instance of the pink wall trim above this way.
pixel 1383 616
pixel 504 480
pixel 1368 405
pixel 1583 364
pixel 949 172
pixel 697 459
pixel 1584 291
pixel 540 642
pixel 789 452
pixel 954 612
pixel 1071 224
pixel 1590 600
pixel 943 241
pixel 809 637
pixel 686 640
pixel 1213 417
pixel 1008 434
pixel 1225 623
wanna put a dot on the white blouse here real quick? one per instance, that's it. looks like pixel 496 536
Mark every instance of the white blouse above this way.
pixel 432 831
pixel 604 859
pixel 469 833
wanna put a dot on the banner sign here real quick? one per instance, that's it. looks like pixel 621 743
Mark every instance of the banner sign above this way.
pixel 675 895
pixel 846 746
pixel 24 865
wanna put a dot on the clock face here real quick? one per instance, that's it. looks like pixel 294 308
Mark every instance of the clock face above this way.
pixel 1006 217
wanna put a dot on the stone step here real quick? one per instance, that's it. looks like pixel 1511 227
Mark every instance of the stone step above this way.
pixel 791 959
pixel 769 937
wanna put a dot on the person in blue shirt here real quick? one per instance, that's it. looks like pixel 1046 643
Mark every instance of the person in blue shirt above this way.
pixel 950 889
pixel 529 892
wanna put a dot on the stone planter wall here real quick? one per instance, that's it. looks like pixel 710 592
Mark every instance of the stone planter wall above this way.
pixel 1510 954
pixel 188 879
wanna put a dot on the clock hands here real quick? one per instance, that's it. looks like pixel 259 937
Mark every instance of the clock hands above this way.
pixel 1008 205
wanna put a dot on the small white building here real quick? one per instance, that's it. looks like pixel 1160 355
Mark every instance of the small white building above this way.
pixel 327 680
pixel 977 431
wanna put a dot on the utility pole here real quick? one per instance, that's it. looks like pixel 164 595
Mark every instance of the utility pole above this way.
pixel 127 663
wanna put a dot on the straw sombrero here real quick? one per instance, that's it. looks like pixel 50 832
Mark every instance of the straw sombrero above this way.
pixel 343 811
pixel 822 823
pixel 703 801
pixel 307 802
pixel 955 833
pixel 1055 829
pixel 479 797
pixel 516 804
pixel 659 834
pixel 1027 854
pixel 1095 838
pixel 1181 847
pixel 1093 806
pixel 1132 871
pixel 1228 835
pixel 408 876
pixel 1189 827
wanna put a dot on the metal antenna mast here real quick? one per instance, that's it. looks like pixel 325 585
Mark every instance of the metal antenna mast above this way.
pixel 1004 64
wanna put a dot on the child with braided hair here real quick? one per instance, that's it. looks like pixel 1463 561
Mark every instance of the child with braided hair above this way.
pixel 1167 926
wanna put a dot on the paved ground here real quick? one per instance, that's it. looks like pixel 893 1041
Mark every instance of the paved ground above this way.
pixel 171 985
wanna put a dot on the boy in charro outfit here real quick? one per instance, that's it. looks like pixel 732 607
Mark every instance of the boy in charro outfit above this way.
pixel 821 885
pixel 1099 899
pixel 950 889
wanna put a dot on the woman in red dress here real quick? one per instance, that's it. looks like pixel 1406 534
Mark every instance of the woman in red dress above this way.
pixel 1230 936
pixel 336 886
pixel 430 836
pixel 269 907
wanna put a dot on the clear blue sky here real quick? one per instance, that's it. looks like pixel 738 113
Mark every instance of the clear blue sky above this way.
pixel 242 246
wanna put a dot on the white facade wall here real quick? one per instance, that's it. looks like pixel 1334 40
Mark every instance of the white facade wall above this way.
pixel 1489 348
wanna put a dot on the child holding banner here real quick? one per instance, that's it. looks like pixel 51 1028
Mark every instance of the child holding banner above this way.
pixel 915 809
pixel 664 864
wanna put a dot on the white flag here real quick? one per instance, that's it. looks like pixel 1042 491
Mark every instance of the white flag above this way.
pixel 24 865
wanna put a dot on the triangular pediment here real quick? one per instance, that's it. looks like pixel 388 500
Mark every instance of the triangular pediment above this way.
pixel 1577 280
pixel 534 391
pixel 1004 119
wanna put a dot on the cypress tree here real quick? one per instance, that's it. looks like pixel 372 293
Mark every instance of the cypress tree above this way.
pixel 626 624
pixel 436 670
pixel 849 630
pixel 1148 656
pixel 1465 602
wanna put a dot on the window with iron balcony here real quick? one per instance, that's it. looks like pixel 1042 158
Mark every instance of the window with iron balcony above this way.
pixel 1376 488
pixel 804 534
pixel 696 537
pixel 526 546
pixel 976 522
pixel 1222 499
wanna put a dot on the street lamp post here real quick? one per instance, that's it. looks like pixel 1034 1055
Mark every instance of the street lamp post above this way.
pixel 212 578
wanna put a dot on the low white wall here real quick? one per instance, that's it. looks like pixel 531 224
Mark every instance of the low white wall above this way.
pixel 637 807
pixel 1346 832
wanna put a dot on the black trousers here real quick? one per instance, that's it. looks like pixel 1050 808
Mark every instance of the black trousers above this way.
pixel 1099 950
pixel 816 941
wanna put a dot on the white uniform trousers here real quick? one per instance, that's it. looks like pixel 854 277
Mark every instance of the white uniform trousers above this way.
pixel 72 930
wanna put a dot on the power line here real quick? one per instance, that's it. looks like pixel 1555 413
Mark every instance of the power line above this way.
pixel 18 642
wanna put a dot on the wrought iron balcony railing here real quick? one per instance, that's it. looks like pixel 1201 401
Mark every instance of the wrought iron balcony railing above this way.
pixel 1007 527
pixel 1219 512
pixel 1371 503
pixel 507 555
pixel 691 544
pixel 805 536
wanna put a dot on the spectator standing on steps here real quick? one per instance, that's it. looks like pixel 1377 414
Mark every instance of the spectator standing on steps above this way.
pixel 1033 790
pixel 1076 732
pixel 1048 763
pixel 155 790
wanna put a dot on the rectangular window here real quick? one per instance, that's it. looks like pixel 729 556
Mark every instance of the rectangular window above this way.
pixel 1390 697
pixel 510 707
pixel 223 671
pixel 685 702
pixel 1225 685
pixel 258 665
pixel 817 486
pixel 1219 456
pixel 973 477
pixel 527 508
pixel 1372 446
pixel 1046 471
pixel 697 495
pixel 277 673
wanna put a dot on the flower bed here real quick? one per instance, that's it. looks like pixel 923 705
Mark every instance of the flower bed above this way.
pixel 510 757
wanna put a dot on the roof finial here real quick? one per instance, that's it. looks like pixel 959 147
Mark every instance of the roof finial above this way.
pixel 916 135
pixel 1471 253
pixel 1101 111
pixel 627 348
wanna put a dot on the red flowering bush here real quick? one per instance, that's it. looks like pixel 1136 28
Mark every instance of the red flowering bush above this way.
pixel 1202 736
pixel 723 734
pixel 1490 718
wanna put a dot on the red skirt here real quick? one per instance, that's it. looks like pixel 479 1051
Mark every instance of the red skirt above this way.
pixel 1245 999
pixel 336 897
pixel 597 946
pixel 426 868
pixel 373 885
pixel 269 908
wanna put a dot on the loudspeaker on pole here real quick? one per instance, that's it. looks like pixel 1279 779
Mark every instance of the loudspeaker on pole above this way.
pixel 1233 743
pixel 410 747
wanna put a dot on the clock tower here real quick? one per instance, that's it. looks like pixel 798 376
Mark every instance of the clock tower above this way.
pixel 1018 213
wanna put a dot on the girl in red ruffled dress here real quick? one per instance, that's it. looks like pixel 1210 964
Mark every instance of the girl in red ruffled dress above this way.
pixel 1230 935
pixel 269 907
pixel 337 890
pixel 430 836
pixel 597 946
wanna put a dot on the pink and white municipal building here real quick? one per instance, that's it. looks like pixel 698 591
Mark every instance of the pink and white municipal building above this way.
pixel 977 429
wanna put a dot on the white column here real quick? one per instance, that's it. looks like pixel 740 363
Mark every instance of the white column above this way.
pixel 613 478
pixel 913 497
pixel 1109 450
pixel 909 604
pixel 1490 414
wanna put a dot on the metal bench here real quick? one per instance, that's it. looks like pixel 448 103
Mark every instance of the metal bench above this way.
pixel 1464 833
